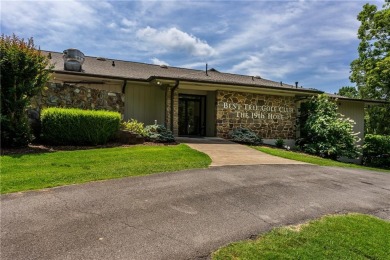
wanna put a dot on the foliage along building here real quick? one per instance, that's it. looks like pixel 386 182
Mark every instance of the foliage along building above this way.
pixel 189 102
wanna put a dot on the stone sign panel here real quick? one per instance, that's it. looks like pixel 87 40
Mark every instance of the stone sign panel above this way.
pixel 269 116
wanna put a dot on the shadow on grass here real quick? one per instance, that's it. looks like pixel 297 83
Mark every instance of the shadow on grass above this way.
pixel 44 148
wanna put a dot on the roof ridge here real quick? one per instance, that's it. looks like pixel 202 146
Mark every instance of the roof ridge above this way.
pixel 127 61
pixel 142 70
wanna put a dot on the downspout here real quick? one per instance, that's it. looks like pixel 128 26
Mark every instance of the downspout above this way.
pixel 124 98
pixel 124 86
pixel 172 101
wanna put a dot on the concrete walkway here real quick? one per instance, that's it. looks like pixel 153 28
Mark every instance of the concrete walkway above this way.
pixel 223 152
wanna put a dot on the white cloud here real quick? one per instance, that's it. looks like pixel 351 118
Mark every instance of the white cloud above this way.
pixel 56 14
pixel 129 26
pixel 337 72
pixel 251 65
pixel 112 25
pixel 58 23
pixel 308 41
pixel 293 42
pixel 338 34
pixel 194 65
pixel 322 53
pixel 264 26
pixel 221 27
pixel 158 62
pixel 128 23
pixel 173 39
pixel 259 65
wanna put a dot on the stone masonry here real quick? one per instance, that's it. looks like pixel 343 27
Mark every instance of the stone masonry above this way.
pixel 168 110
pixel 70 96
pixel 175 129
pixel 271 117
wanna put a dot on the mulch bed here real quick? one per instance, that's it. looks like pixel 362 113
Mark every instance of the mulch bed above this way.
pixel 42 148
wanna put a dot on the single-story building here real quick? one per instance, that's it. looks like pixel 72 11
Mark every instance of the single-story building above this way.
pixel 187 101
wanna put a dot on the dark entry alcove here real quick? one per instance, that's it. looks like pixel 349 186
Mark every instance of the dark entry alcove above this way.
pixel 192 114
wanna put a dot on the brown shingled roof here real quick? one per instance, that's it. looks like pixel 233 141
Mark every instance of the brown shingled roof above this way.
pixel 94 66
pixel 374 101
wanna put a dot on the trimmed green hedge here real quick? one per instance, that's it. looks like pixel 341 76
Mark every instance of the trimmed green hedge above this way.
pixel 80 127
pixel 376 150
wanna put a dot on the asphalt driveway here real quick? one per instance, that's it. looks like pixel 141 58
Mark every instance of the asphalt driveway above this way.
pixel 180 215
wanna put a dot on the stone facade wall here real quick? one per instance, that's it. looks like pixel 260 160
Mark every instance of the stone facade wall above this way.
pixel 168 108
pixel 175 113
pixel 60 95
pixel 269 116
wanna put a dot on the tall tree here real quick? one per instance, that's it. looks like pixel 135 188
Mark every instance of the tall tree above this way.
pixel 348 91
pixel 23 73
pixel 371 70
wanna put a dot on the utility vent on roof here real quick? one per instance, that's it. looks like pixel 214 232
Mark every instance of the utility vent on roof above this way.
pixel 73 60
pixel 163 66
pixel 212 69
pixel 101 58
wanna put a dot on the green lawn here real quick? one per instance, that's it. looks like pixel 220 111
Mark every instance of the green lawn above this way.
pixel 312 159
pixel 37 171
pixel 352 236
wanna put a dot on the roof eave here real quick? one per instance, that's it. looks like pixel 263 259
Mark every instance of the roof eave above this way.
pixel 237 84
pixel 367 101
pixel 75 73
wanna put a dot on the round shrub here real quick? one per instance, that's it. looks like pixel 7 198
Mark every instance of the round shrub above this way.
pixel 244 136
pixel 133 126
pixel 279 143
pixel 159 134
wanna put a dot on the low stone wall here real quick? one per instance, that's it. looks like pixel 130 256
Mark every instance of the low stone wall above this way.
pixel 60 95
pixel 271 117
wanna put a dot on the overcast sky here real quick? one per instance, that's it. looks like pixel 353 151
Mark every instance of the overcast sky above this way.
pixel 312 42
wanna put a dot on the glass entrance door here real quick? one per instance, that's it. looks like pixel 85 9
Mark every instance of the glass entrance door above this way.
pixel 191 115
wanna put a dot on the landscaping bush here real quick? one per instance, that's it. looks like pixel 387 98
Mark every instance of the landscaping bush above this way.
pixel 23 75
pixel 133 126
pixel 159 134
pixel 34 122
pixel 80 127
pixel 279 143
pixel 376 150
pixel 244 136
pixel 324 132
